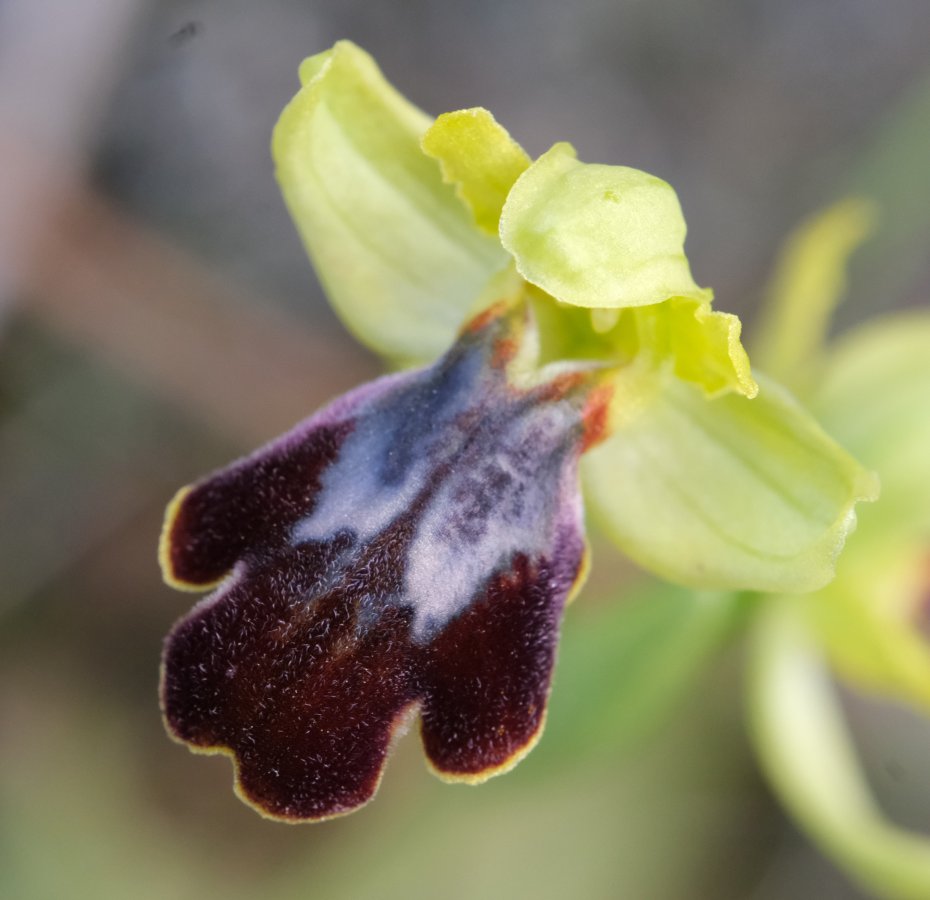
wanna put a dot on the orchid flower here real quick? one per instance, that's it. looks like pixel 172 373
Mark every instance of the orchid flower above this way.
pixel 869 626
pixel 410 549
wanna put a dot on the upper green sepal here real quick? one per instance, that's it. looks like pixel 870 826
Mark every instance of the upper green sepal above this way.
pixel 401 214
pixel 595 235
pixel 397 252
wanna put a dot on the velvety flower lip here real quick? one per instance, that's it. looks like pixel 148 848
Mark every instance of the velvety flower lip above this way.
pixel 408 549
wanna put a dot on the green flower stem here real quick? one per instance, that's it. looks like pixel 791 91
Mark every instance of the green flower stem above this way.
pixel 807 754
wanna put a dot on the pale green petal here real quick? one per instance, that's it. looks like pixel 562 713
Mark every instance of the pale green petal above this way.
pixel 809 281
pixel 397 253
pixel 724 493
pixel 807 754
pixel 597 236
pixel 874 397
pixel 704 346
pixel 480 158
pixel 700 346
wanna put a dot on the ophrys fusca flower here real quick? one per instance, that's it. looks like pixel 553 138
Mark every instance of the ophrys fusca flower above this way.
pixel 408 549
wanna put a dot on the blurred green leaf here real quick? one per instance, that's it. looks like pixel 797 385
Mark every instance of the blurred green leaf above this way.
pixel 623 668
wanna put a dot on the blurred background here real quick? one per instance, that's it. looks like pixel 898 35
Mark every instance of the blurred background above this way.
pixel 158 317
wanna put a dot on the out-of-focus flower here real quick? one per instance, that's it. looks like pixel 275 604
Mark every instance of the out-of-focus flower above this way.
pixel 872 391
pixel 411 546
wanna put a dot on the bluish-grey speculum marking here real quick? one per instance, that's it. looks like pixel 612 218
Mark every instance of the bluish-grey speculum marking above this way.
pixel 478 463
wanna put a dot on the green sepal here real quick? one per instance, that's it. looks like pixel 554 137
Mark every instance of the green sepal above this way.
pixel 398 255
pixel 872 620
pixel 727 493
pixel 874 397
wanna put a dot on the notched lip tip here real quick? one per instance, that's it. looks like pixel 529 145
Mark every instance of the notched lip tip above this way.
pixel 168 571
pixel 473 779
pixel 398 729
pixel 283 818
pixel 265 810
pixel 165 539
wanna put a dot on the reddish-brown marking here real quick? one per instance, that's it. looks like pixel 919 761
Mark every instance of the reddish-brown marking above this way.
pixel 596 416
pixel 561 386
pixel 505 350
pixel 484 318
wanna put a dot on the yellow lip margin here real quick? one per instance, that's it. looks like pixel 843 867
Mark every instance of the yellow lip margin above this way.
pixel 172 511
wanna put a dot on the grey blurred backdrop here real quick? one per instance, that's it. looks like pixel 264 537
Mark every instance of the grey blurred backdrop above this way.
pixel 757 111
pixel 159 316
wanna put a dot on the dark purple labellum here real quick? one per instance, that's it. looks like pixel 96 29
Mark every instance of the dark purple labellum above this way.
pixel 409 548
